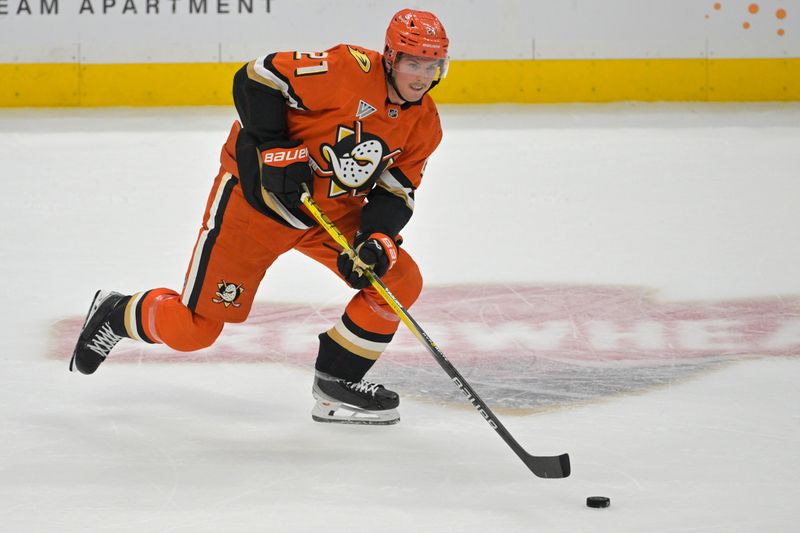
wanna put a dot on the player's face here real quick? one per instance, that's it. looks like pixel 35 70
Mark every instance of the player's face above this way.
pixel 413 75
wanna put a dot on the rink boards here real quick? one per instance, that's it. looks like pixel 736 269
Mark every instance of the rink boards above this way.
pixel 470 81
pixel 184 52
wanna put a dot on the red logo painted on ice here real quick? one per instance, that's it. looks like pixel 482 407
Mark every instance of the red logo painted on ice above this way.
pixel 530 345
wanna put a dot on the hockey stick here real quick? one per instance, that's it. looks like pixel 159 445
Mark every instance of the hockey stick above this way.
pixel 556 466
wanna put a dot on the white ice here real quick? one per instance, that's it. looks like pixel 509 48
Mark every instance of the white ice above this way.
pixel 696 203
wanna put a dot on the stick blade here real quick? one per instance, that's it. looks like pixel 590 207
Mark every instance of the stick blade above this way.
pixel 556 466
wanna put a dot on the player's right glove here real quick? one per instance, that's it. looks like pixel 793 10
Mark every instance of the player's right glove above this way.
pixel 284 170
pixel 378 252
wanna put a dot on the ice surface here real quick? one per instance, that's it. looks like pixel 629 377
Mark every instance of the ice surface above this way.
pixel 619 281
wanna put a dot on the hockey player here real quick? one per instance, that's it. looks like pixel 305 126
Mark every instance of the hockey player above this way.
pixel 356 128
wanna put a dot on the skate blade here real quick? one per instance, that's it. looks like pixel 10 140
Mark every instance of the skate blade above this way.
pixel 338 413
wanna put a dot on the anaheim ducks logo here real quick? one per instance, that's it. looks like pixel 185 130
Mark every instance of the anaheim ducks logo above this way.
pixel 356 160
pixel 227 294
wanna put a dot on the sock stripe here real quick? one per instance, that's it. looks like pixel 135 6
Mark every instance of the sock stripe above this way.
pixel 352 347
pixel 355 343
pixel 347 323
pixel 134 323
pixel 140 319
pixel 130 317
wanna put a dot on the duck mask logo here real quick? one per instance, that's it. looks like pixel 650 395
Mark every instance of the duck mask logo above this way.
pixel 355 162
pixel 227 294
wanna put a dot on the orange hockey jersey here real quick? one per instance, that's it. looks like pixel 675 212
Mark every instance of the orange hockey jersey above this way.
pixel 360 145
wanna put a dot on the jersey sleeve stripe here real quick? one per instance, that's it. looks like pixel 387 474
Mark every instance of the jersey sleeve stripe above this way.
pixel 401 178
pixel 255 76
pixel 263 69
pixel 402 189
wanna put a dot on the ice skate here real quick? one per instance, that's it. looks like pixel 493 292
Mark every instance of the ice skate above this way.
pixel 97 338
pixel 347 402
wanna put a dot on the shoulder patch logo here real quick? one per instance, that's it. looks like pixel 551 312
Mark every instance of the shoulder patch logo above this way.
pixel 361 58
pixel 364 109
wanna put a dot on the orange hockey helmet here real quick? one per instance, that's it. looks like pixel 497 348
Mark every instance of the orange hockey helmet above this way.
pixel 416 33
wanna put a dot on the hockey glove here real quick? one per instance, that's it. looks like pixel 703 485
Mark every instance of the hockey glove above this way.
pixel 284 170
pixel 377 252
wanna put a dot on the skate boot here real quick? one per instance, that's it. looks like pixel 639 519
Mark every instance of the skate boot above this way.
pixel 97 338
pixel 348 402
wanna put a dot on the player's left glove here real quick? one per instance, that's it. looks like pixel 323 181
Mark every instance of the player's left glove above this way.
pixel 376 251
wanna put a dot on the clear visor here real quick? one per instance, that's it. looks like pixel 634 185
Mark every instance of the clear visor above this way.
pixel 424 67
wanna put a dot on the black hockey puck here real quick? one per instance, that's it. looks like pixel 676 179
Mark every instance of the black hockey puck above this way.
pixel 598 502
